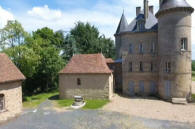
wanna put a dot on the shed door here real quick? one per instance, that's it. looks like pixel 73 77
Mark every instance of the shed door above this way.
pixel 131 88
pixel 167 89
pixel 141 87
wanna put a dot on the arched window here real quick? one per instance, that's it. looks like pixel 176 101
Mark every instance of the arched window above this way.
pixel 2 102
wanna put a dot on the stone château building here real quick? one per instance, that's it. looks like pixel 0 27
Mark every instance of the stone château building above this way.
pixel 155 50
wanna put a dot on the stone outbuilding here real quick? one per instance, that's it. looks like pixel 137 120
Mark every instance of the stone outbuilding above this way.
pixel 10 88
pixel 86 75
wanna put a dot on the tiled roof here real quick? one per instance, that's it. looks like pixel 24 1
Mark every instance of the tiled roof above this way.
pixel 8 71
pixel 87 63
pixel 109 60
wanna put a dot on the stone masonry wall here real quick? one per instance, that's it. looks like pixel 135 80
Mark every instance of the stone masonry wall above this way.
pixel 13 99
pixel 93 86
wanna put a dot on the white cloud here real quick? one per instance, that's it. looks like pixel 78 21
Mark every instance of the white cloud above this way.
pixel 5 16
pixel 45 13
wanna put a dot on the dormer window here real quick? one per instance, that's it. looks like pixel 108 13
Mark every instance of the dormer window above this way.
pixel 140 25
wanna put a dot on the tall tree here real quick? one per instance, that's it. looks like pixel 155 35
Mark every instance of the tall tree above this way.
pixel 86 39
pixel 12 35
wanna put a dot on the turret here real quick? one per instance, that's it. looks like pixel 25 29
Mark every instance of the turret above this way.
pixel 174 49
pixel 121 28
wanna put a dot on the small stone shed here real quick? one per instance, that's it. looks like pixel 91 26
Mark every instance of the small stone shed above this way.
pixel 10 88
pixel 86 75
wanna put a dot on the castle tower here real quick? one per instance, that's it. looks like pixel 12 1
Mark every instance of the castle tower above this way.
pixel 174 49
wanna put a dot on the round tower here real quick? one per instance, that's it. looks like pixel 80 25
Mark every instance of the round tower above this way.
pixel 174 49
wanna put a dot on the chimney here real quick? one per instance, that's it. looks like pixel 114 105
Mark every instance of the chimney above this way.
pixel 146 9
pixel 160 2
pixel 151 9
pixel 138 10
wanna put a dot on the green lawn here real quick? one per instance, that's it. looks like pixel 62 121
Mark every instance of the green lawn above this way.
pixel 95 104
pixel 193 75
pixel 35 100
pixel 65 103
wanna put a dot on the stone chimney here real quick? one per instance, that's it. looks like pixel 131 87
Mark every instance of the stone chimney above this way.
pixel 160 1
pixel 151 9
pixel 146 9
pixel 138 10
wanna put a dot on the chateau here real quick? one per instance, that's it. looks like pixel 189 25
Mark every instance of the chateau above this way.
pixel 155 51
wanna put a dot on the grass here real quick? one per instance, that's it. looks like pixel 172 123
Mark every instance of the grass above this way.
pixel 193 97
pixel 193 75
pixel 35 100
pixel 95 104
pixel 65 103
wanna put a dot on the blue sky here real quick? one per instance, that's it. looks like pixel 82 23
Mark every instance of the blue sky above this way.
pixel 63 14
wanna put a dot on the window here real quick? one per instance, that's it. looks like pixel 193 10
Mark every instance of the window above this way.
pixel 130 67
pixel 2 102
pixel 78 81
pixel 184 44
pixel 141 67
pixel 130 48
pixel 141 49
pixel 152 48
pixel 168 67
pixel 151 67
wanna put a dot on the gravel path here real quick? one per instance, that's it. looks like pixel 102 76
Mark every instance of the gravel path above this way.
pixel 152 108
pixel 44 118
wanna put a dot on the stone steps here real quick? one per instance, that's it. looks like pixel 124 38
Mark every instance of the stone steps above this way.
pixel 179 101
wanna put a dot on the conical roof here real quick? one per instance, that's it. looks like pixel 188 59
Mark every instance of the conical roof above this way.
pixel 171 4
pixel 122 24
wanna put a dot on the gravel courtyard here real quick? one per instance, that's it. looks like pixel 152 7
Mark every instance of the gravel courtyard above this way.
pixel 153 108
pixel 46 118
pixel 121 113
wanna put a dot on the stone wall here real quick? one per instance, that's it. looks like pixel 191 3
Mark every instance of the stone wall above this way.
pixel 174 26
pixel 13 99
pixel 147 77
pixel 93 86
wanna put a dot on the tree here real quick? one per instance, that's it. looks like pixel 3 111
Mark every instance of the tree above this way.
pixel 86 39
pixel 12 35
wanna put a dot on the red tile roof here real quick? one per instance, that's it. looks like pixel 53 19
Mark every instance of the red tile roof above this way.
pixel 87 63
pixel 8 71
pixel 109 60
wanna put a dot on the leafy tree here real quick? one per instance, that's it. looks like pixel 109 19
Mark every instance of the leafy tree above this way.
pixel 86 39
pixel 12 35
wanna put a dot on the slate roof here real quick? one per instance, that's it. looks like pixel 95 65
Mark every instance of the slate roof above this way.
pixel 8 71
pixel 122 24
pixel 151 23
pixel 87 64
pixel 170 4
pixel 167 4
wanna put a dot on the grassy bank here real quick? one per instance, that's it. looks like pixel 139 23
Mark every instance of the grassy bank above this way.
pixel 193 75
pixel 35 100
